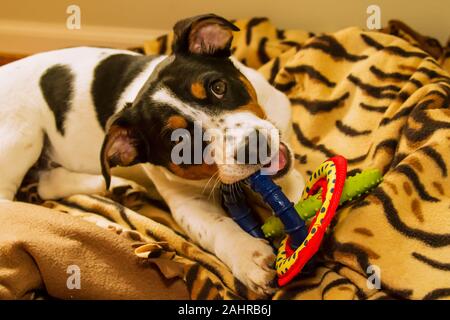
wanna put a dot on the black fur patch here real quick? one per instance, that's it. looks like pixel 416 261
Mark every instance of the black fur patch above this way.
pixel 162 40
pixel 111 77
pixel 57 88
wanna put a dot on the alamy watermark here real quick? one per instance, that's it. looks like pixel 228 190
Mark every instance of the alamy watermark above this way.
pixel 229 146
pixel 374 277
pixel 373 21
pixel 74 279
pixel 73 21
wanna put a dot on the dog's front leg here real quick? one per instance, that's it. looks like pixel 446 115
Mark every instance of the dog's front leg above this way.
pixel 250 259
pixel 59 183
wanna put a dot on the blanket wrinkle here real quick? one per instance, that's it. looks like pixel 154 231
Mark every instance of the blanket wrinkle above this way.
pixel 39 246
pixel 379 98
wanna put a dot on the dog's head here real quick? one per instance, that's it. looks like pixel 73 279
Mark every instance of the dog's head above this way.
pixel 197 115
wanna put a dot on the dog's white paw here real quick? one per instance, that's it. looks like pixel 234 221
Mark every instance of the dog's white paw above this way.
pixel 253 264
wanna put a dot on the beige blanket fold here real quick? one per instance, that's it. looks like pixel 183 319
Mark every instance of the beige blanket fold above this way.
pixel 43 250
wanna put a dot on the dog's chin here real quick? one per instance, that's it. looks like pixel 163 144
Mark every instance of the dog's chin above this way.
pixel 278 167
pixel 232 173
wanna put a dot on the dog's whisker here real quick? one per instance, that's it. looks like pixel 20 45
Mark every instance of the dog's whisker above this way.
pixel 212 182
pixel 216 183
pixel 212 189
pixel 209 181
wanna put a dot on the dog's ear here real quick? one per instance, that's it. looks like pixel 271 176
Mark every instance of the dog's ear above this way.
pixel 120 148
pixel 206 34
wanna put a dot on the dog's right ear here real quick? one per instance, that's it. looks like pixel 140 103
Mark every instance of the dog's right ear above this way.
pixel 206 34
pixel 120 148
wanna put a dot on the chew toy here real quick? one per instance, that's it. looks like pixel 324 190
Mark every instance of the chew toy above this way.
pixel 326 189
pixel 354 187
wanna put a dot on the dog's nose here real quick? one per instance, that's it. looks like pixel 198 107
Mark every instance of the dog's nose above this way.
pixel 255 149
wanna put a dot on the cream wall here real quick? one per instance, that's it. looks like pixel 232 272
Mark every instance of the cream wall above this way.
pixel 128 22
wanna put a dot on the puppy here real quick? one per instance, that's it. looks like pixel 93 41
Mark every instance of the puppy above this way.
pixel 98 108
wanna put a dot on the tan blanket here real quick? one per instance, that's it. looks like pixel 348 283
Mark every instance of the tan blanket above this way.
pixel 45 253
pixel 375 98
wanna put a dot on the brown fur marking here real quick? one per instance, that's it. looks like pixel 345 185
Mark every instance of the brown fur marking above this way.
pixel 198 90
pixel 253 105
pixel 251 91
pixel 195 171
pixel 176 122
pixel 253 108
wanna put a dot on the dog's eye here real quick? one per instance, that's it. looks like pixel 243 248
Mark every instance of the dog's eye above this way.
pixel 218 88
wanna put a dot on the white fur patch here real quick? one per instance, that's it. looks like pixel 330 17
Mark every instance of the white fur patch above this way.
pixel 165 96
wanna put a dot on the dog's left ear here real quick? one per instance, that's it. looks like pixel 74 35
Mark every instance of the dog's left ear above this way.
pixel 206 34
pixel 120 148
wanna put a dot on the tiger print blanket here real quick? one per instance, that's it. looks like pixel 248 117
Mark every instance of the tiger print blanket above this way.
pixel 381 99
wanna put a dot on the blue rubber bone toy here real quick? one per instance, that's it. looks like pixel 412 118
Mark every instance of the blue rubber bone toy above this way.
pixel 301 242
pixel 237 207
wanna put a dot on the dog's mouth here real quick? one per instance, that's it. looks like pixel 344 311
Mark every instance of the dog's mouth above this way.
pixel 280 163
pixel 276 166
